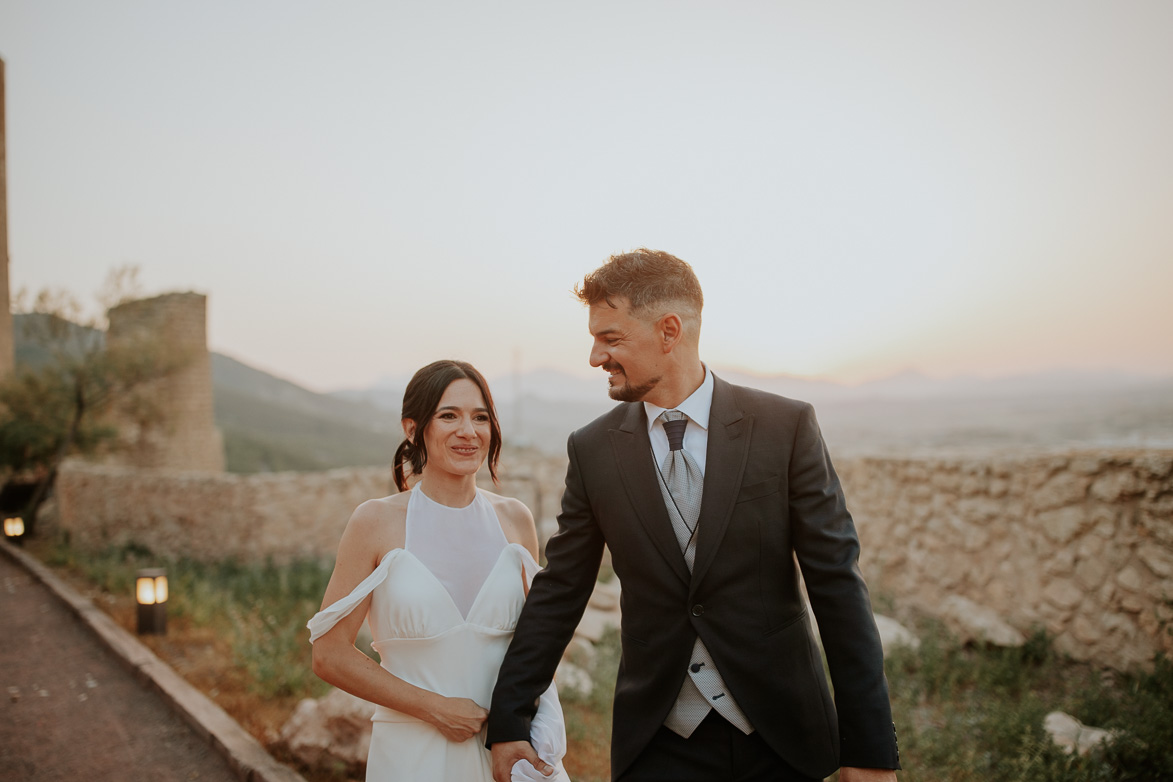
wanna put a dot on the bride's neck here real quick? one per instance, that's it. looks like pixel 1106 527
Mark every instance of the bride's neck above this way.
pixel 451 490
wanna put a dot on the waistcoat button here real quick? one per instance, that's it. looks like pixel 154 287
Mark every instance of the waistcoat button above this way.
pixel 698 609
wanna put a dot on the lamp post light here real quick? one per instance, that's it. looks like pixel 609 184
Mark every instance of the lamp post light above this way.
pixel 14 529
pixel 151 595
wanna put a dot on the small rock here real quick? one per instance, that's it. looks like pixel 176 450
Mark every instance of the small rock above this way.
pixel 323 732
pixel 1072 735
pixel 581 652
pixel 605 596
pixel 893 634
pixel 595 622
pixel 573 680
pixel 973 622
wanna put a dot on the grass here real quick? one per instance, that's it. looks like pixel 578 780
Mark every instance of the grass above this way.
pixel 237 632
pixel 968 713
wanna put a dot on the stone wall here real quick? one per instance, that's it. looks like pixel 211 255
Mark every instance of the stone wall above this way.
pixel 1078 543
pixel 284 515
pixel 207 515
pixel 182 432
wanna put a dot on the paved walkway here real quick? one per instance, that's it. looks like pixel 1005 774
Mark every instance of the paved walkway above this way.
pixel 81 703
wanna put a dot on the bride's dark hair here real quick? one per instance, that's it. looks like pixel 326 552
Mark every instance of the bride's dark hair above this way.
pixel 420 401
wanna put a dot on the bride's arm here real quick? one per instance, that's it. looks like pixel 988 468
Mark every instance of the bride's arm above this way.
pixel 373 529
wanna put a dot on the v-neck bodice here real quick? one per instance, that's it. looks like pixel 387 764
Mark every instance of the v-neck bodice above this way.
pixel 460 546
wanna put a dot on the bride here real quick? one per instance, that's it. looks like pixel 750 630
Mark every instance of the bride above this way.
pixel 440 572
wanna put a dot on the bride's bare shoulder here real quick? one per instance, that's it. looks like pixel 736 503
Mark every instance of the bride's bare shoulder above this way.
pixel 516 521
pixel 380 521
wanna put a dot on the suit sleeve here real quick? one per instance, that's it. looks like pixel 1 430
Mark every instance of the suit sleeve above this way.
pixel 557 599
pixel 827 548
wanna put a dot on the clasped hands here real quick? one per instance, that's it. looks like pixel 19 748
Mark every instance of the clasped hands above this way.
pixel 460 719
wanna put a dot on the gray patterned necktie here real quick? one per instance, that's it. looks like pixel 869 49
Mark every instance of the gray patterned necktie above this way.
pixel 683 482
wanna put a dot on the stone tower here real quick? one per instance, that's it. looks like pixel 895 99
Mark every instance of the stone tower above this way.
pixel 6 342
pixel 183 434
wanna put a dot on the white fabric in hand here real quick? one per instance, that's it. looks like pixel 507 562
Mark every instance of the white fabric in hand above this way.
pixel 548 735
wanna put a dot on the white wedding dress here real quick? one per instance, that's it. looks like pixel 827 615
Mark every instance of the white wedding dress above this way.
pixel 442 613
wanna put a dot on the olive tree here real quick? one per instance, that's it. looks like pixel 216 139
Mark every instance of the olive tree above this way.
pixel 70 387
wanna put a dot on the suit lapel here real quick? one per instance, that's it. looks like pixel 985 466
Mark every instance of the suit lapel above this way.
pixel 633 450
pixel 725 459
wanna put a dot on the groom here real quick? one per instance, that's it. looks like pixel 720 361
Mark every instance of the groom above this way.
pixel 710 498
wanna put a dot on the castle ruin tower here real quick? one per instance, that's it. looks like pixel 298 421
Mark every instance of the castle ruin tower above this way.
pixel 7 356
pixel 181 434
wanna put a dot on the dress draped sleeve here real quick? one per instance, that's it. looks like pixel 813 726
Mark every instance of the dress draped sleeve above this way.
pixel 323 621
pixel 528 563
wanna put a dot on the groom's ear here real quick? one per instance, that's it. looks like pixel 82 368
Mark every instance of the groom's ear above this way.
pixel 671 330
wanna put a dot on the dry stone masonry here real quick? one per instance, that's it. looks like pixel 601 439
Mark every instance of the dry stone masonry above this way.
pixel 1079 543
pixel 185 437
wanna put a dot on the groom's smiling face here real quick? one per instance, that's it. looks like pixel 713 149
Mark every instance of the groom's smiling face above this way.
pixel 627 348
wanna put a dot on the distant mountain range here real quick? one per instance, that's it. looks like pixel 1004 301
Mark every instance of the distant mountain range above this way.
pixel 272 424
pixel 906 412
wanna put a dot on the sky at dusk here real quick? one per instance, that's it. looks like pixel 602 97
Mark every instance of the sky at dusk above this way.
pixel 363 187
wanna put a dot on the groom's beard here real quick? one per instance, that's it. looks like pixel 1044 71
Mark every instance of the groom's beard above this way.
pixel 628 392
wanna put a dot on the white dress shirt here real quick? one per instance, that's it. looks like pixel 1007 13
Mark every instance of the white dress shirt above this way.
pixel 696 434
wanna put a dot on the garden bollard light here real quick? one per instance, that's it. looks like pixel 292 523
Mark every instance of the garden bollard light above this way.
pixel 151 595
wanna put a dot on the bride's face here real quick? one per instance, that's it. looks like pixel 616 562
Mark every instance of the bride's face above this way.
pixel 458 434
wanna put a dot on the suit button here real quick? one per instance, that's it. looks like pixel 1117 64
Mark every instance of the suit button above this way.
pixel 698 609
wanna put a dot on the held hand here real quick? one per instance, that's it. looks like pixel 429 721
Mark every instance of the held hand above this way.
pixel 459 719
pixel 506 753
pixel 849 774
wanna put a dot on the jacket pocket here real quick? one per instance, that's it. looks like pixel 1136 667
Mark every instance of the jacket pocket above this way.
pixel 760 489
pixel 784 624
pixel 627 638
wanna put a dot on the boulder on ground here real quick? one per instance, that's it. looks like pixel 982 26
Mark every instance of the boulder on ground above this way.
pixel 605 596
pixel 893 634
pixel 973 622
pixel 1072 735
pixel 326 731
pixel 581 652
pixel 595 622
pixel 573 680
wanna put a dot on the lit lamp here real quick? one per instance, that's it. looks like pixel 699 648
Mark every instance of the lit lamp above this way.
pixel 151 594
pixel 14 529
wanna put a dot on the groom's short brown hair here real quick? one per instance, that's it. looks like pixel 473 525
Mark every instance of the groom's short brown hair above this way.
pixel 650 280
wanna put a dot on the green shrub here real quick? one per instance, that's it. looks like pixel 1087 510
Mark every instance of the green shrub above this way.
pixel 976 713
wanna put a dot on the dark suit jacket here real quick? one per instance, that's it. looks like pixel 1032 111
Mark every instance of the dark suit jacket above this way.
pixel 770 494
